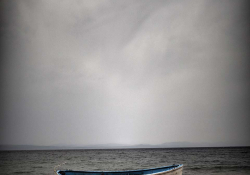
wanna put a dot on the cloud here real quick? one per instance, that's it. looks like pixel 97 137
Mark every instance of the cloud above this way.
pixel 126 72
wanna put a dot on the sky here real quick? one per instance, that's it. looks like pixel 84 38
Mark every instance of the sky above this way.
pixel 78 72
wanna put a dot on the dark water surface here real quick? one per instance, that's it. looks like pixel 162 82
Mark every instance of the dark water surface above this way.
pixel 197 161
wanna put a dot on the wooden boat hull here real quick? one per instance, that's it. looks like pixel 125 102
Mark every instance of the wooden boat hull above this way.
pixel 168 170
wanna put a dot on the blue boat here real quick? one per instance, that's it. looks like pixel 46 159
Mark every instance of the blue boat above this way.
pixel 168 170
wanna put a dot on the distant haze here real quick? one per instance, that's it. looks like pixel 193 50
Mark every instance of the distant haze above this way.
pixel 124 72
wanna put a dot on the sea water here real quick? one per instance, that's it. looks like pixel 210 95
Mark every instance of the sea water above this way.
pixel 197 161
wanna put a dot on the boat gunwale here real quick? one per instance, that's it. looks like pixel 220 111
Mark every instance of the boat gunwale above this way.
pixel 168 168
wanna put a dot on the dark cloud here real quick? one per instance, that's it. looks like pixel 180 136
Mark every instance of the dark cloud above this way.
pixel 81 72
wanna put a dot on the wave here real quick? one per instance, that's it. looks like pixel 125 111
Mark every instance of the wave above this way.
pixel 24 172
pixel 226 167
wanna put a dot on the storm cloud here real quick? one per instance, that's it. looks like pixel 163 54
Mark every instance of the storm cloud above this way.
pixel 128 72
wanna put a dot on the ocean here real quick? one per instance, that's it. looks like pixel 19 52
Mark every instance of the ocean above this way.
pixel 196 161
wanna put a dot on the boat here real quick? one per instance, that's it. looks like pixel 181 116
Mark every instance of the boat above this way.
pixel 168 170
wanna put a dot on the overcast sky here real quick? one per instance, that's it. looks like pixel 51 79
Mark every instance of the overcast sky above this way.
pixel 121 71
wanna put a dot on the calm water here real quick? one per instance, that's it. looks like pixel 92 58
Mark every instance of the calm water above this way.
pixel 197 161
